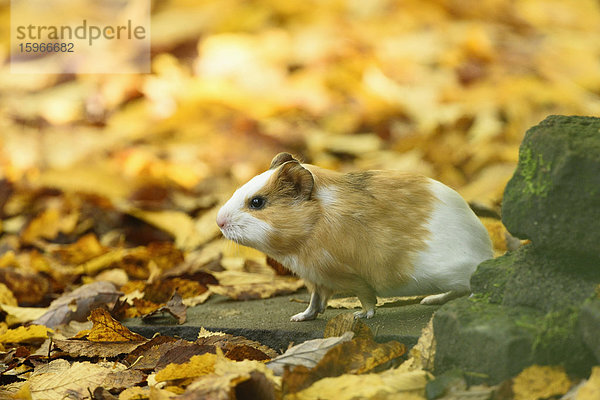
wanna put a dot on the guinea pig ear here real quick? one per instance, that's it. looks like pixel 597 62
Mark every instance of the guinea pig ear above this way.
pixel 280 159
pixel 299 178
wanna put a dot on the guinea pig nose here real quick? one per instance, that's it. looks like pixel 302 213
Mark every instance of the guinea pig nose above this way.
pixel 221 221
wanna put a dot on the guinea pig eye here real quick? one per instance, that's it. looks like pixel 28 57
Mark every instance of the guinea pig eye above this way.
pixel 256 203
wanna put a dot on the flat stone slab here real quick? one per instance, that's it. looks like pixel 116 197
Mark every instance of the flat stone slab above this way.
pixel 268 321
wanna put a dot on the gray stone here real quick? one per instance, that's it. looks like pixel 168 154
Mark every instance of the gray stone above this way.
pixel 554 196
pixel 589 326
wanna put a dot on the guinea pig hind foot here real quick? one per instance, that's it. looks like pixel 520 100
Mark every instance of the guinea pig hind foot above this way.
pixel 442 298
pixel 364 314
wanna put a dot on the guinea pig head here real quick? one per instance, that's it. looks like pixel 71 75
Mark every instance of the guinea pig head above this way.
pixel 274 211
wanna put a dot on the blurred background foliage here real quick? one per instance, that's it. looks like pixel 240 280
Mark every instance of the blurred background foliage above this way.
pixel 445 88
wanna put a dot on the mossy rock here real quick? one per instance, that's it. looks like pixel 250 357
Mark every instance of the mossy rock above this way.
pixel 529 277
pixel 553 197
pixel 589 326
pixel 492 342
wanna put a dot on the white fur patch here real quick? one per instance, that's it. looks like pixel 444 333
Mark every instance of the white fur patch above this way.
pixel 240 226
pixel 457 244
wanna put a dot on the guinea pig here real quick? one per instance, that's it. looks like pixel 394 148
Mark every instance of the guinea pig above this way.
pixel 371 233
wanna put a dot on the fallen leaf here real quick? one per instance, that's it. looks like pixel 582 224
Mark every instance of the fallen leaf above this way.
pixel 346 322
pixel 147 355
pixel 180 226
pixel 48 224
pixel 6 296
pixel 25 334
pixel 59 379
pixel 28 288
pixel 135 393
pixel 235 347
pixel 252 378
pixel 84 348
pixel 22 314
pixel 174 306
pixel 107 329
pixel 540 382
pixel 200 299
pixel 422 355
pixel 197 366
pixel 84 249
pixel 356 356
pixel 225 386
pixel 391 384
pixel 183 353
pixel 77 304
pixel 591 388
pixel 245 286
pixel 308 353
pixel 353 302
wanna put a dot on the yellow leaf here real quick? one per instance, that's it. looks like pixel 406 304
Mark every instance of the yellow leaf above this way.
pixel 391 384
pixel 22 334
pixel 591 389
pixel 6 296
pixel 541 382
pixel 197 366
pixel 107 329
pixel 19 315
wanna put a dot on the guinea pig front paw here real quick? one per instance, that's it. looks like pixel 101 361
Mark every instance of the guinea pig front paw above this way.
pixel 364 314
pixel 303 316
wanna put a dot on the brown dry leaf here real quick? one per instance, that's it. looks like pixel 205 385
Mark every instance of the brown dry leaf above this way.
pixel 148 355
pixel 77 304
pixel 83 348
pixel 591 388
pixel 342 323
pixel 28 287
pixel 353 302
pixel 246 286
pixel 391 384
pixel 25 334
pixel 235 347
pixel 307 354
pixel 59 379
pixel 48 224
pixel 107 329
pixel 356 356
pixel 197 366
pixel 125 378
pixel 84 249
pixel 174 306
pixel 223 386
pixel 540 382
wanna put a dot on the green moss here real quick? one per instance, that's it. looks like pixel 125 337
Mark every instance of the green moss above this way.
pixel 534 171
